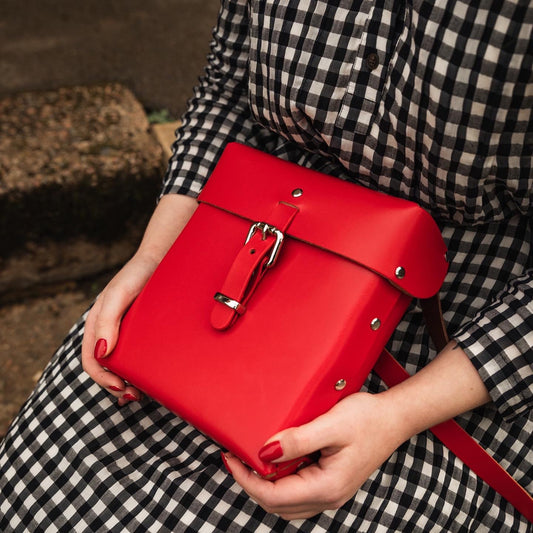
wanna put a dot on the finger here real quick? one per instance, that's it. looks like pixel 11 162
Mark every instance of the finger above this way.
pixel 89 363
pixel 131 394
pixel 87 343
pixel 320 434
pixel 114 303
pixel 114 384
pixel 294 493
pixel 298 496
pixel 108 380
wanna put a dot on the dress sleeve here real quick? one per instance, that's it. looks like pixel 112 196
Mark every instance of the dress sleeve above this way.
pixel 218 112
pixel 499 342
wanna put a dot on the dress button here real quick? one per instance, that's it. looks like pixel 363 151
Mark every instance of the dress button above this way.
pixel 372 61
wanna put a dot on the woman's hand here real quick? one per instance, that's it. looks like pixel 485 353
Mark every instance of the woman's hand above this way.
pixel 355 437
pixel 358 434
pixel 103 321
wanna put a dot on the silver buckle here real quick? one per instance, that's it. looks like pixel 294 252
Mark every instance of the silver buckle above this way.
pixel 267 228
pixel 229 302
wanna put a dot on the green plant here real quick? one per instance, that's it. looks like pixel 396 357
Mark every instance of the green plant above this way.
pixel 159 116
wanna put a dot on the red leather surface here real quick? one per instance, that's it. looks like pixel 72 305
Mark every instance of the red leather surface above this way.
pixel 307 324
pixel 305 328
pixel 371 228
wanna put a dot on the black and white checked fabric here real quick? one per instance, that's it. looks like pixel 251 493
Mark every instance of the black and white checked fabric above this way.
pixel 428 101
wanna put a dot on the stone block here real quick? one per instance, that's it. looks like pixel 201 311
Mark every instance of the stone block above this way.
pixel 79 166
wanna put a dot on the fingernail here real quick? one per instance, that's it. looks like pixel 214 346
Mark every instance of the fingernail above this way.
pixel 116 389
pixel 100 349
pixel 130 397
pixel 225 461
pixel 271 451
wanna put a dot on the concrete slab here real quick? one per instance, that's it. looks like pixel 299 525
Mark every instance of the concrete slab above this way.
pixel 79 173
pixel 166 134
pixel 58 163
pixel 46 284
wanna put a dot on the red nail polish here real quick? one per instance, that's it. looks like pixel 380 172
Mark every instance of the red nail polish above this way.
pixel 271 451
pixel 116 389
pixel 225 461
pixel 130 397
pixel 100 349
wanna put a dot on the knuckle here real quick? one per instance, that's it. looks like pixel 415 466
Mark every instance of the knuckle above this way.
pixel 100 323
pixel 270 503
pixel 296 442
pixel 334 506
pixel 104 315
pixel 335 499
pixel 269 509
pixel 337 502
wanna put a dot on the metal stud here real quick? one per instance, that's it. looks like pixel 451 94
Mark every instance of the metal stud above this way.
pixel 340 384
pixel 297 193
pixel 400 272
pixel 375 324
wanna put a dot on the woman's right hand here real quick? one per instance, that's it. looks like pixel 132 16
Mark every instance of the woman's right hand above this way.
pixel 103 321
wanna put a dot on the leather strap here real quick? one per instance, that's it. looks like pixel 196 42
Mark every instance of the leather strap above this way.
pixel 432 311
pixel 248 268
pixel 452 434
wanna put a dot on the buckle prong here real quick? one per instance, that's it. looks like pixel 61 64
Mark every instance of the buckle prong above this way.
pixel 272 230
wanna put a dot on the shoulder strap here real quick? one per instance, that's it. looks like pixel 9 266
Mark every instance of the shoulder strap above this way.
pixel 452 434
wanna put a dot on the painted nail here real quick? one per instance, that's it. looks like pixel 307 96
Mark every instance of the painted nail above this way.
pixel 100 349
pixel 130 397
pixel 225 461
pixel 116 389
pixel 271 451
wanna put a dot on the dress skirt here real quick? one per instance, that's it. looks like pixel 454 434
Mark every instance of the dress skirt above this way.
pixel 73 460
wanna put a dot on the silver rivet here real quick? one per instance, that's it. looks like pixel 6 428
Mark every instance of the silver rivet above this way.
pixel 340 384
pixel 375 324
pixel 400 272
pixel 297 193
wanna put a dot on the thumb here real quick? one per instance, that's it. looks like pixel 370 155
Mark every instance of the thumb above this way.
pixel 114 304
pixel 296 442
pixel 115 300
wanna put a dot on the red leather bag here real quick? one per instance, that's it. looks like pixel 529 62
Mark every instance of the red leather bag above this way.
pixel 277 300
pixel 243 340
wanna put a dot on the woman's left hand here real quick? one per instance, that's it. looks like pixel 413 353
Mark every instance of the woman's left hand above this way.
pixel 359 433
pixel 355 437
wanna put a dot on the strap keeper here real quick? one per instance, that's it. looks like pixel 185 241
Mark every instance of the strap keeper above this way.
pixel 229 302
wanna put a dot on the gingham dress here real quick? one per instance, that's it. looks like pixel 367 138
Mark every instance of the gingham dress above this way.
pixel 431 102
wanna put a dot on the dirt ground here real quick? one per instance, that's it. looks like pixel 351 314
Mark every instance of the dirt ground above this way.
pixel 30 332
pixel 40 298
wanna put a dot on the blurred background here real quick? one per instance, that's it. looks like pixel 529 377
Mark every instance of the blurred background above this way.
pixel 90 95
pixel 157 48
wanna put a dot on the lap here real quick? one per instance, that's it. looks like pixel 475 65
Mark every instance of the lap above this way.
pixel 74 460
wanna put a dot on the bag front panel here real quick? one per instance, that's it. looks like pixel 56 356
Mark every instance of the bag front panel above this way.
pixel 304 329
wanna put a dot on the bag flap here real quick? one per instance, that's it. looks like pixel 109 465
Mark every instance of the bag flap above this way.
pixel 393 237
